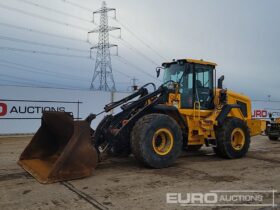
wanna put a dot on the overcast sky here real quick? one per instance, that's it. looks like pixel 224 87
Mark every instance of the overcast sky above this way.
pixel 242 36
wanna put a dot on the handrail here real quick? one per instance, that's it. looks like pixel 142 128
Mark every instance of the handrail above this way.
pixel 196 117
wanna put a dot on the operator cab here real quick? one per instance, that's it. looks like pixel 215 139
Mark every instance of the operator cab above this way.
pixel 196 80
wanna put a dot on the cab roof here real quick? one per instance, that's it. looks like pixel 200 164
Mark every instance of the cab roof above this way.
pixel 202 62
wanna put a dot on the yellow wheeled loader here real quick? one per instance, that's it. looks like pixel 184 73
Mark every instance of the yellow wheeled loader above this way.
pixel 188 110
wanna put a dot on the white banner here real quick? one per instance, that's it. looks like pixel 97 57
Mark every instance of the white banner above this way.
pixel 21 107
pixel 262 109
pixel 32 109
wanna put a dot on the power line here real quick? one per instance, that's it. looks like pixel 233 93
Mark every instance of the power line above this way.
pixel 139 39
pixel 124 74
pixel 42 17
pixel 54 35
pixel 53 73
pixel 41 44
pixel 42 52
pixel 25 79
pixel 129 46
pixel 76 5
pixel 41 60
pixel 55 11
pixel 21 84
pixel 132 48
pixel 17 78
pixel 13 81
pixel 44 70
pixel 125 61
pixel 32 69
pixel 123 25
pixel 53 46
pixel 9 65
pixel 41 32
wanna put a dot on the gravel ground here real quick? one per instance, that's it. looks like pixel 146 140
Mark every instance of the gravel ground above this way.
pixel 122 183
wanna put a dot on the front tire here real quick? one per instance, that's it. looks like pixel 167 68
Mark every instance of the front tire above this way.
pixel 156 140
pixel 233 139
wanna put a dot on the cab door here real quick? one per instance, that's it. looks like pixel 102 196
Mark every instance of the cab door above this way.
pixel 203 86
pixel 187 90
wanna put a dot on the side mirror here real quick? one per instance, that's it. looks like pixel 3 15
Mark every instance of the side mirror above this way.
pixel 158 71
pixel 220 82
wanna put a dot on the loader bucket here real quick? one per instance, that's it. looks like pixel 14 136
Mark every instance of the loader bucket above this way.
pixel 60 150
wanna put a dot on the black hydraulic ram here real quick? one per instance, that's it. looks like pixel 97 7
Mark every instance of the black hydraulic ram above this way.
pixel 110 106
pixel 143 99
pixel 142 92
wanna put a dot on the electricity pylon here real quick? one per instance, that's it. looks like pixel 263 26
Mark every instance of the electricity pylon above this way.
pixel 103 76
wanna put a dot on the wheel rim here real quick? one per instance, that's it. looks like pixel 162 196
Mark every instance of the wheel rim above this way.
pixel 163 141
pixel 237 139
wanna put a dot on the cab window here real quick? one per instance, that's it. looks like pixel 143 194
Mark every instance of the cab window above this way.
pixel 204 86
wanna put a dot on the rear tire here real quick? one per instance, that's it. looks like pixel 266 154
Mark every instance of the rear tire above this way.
pixel 233 139
pixel 273 138
pixel 156 140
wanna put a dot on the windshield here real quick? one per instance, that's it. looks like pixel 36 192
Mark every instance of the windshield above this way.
pixel 173 72
pixel 195 86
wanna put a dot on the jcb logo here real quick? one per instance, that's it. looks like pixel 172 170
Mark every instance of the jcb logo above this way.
pixel 3 109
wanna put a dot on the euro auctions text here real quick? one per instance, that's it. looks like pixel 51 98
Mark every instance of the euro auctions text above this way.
pixel 262 198
pixel 33 109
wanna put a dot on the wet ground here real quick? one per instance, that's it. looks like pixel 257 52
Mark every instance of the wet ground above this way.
pixel 121 183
